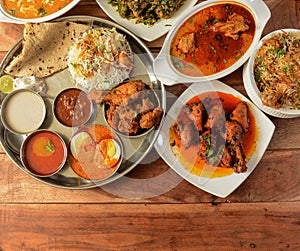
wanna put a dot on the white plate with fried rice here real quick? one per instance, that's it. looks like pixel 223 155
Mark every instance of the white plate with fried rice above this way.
pixel 272 74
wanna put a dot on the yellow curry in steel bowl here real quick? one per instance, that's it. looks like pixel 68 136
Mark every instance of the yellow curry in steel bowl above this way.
pixel 35 10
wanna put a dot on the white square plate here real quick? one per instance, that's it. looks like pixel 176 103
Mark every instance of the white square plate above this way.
pixel 222 186
pixel 148 33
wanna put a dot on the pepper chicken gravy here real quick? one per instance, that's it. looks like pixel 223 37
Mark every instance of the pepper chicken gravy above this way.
pixel 212 39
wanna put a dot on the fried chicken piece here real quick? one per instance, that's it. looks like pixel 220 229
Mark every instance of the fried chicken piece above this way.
pixel 212 148
pixel 226 158
pixel 234 133
pixel 151 118
pixel 187 43
pixel 231 28
pixel 240 114
pixel 188 134
pixel 97 95
pixel 240 162
pixel 128 127
pixel 195 112
pixel 111 117
pixel 234 137
pixel 120 94
pixel 126 120
pixel 124 60
pixel 216 117
pixel 146 105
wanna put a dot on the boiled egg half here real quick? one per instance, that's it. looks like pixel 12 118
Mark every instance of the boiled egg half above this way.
pixel 111 151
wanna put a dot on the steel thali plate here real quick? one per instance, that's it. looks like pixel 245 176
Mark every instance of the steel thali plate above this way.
pixel 135 148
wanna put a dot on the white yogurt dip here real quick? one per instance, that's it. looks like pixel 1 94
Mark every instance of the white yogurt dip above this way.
pixel 23 111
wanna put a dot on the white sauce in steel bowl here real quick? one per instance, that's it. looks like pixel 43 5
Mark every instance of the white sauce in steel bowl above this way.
pixel 23 111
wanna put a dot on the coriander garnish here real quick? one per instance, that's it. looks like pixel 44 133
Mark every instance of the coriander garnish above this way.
pixel 49 147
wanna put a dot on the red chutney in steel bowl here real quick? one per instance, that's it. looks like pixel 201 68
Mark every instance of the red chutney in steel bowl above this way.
pixel 43 153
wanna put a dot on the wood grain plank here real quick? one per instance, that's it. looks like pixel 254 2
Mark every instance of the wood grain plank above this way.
pixel 10 34
pixel 298 12
pixel 155 182
pixel 283 15
pixel 265 226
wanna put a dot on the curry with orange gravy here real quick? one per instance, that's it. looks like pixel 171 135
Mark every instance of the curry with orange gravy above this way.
pixel 214 135
pixel 34 9
pixel 212 39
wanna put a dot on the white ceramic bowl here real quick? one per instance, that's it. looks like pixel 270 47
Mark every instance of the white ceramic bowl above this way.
pixel 251 87
pixel 163 66
pixel 5 16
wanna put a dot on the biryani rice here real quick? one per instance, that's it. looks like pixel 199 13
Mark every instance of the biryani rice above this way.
pixel 277 71
pixel 94 59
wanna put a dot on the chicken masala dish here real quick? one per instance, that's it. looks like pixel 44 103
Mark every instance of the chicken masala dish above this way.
pixel 132 108
pixel 212 40
pixel 214 135
pixel 34 9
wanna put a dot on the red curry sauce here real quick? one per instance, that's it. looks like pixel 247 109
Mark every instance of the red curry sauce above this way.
pixel 189 157
pixel 43 153
pixel 213 50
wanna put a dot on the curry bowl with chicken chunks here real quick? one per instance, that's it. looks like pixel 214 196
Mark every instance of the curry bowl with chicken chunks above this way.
pixel 214 137
pixel 214 39
pixel 216 129
pixel 132 108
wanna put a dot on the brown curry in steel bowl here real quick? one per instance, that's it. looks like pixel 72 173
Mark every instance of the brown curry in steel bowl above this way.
pixel 211 41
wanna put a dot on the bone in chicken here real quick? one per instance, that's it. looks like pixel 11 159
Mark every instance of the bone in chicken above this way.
pixel 232 27
pixel 240 114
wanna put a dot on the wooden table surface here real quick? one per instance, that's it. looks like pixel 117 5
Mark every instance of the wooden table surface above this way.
pixel 170 214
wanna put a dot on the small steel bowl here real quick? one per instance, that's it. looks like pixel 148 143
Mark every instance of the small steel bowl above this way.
pixel 43 153
pixel 73 107
pixel 23 111
pixel 87 155
pixel 140 132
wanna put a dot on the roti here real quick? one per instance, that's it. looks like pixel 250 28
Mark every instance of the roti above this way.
pixel 45 48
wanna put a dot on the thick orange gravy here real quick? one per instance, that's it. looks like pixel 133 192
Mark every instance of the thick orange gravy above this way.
pixel 189 157
pixel 34 9
pixel 213 50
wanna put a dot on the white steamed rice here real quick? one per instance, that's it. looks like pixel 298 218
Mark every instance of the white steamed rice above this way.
pixel 93 59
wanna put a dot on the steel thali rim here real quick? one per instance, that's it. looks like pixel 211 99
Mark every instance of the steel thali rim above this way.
pixel 60 181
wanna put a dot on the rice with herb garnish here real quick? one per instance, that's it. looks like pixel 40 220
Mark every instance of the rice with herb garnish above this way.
pixel 100 59
pixel 277 71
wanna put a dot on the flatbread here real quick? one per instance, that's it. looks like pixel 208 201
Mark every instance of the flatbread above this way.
pixel 45 48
